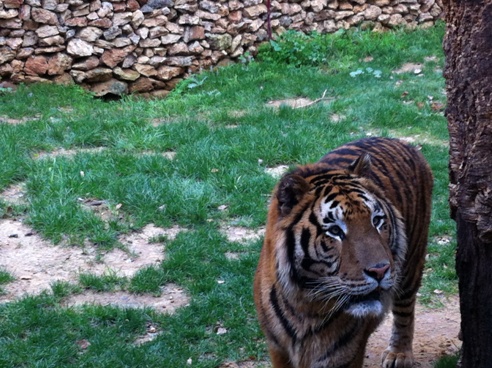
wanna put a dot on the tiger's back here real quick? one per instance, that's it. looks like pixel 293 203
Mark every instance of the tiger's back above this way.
pixel 345 241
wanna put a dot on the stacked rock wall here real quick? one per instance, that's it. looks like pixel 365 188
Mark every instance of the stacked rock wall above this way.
pixel 140 46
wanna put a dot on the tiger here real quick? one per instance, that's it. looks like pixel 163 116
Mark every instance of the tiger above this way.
pixel 345 242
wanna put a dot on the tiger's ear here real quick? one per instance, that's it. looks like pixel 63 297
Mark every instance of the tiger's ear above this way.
pixel 361 166
pixel 290 191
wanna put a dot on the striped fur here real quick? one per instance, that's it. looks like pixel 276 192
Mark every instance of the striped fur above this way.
pixel 345 242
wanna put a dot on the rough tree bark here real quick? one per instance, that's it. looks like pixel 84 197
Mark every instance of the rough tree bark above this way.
pixel 468 73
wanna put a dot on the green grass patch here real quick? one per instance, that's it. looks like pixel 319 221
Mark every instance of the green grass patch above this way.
pixel 224 135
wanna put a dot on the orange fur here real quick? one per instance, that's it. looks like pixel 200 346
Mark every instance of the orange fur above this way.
pixel 345 241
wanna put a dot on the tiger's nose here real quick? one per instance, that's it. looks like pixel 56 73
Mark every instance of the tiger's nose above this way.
pixel 377 271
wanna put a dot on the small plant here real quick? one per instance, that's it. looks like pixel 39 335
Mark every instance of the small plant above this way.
pixel 107 282
pixel 5 277
pixel 194 81
pixel 370 71
pixel 296 48
pixel 449 361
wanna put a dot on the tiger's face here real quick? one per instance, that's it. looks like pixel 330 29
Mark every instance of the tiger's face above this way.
pixel 342 247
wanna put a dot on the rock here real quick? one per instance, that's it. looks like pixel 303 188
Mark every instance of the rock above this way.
pixel 235 17
pixel 209 6
pixel 179 61
pixel 95 5
pixel 49 4
pixel 51 41
pixel 6 55
pixel 143 84
pixel 105 10
pixel 195 48
pixel 47 31
pixel 24 53
pixel 150 43
pixel 436 11
pixel 113 57
pixel 145 69
pixel 255 25
pixel 156 60
pixel 90 34
pixel 98 75
pixel 159 4
pixel 168 72
pixel 49 50
pixel 77 75
pixel 58 64
pixel 112 32
pixel 207 16
pixel 25 12
pixel 44 16
pixel 318 5
pixel 10 24
pixel 76 22
pixel 372 12
pixel 179 49
pixel 122 42
pixel 158 31
pixel 14 43
pixel 170 39
pixel 36 65
pixel 255 11
pixel 129 61
pixel 174 28
pixel 112 87
pixel 12 4
pixel 64 79
pixel 381 3
pixel 143 32
pixel 88 64
pixel 120 19
pixel 101 23
pixel 188 19
pixel 195 33
pixel 219 42
pixel 185 6
pixel 137 19
pixel 395 20
pixel 8 14
pixel 79 48
pixel 126 74
pixel 132 5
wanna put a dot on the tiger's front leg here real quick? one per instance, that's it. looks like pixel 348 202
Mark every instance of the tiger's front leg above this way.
pixel 399 353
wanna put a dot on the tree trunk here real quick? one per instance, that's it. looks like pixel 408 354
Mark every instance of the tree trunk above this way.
pixel 468 73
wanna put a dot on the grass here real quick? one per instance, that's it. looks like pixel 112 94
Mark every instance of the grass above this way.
pixel 224 135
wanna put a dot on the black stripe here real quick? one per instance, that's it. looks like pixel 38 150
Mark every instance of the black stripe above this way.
pixel 342 341
pixel 278 312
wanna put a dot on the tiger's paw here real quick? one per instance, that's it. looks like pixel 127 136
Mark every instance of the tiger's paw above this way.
pixel 397 359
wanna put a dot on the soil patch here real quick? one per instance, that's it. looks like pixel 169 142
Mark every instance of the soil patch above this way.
pixel 171 298
pixel 242 234
pixel 67 152
pixel 36 264
pixel 436 335
pixel 277 171
pixel 415 68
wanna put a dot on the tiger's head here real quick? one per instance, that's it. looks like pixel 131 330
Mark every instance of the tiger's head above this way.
pixel 339 241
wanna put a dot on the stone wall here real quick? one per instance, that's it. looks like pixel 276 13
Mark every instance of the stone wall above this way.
pixel 140 46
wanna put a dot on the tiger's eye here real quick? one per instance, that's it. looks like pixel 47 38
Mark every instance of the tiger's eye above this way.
pixel 377 221
pixel 335 231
